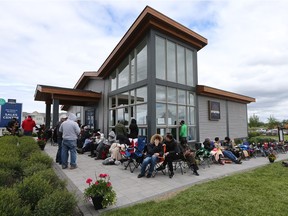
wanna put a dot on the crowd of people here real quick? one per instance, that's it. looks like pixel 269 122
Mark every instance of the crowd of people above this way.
pixel 159 152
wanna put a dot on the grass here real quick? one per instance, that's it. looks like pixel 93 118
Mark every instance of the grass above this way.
pixel 262 191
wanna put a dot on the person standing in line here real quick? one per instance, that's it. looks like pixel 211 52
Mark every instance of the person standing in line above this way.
pixel 120 129
pixel 134 130
pixel 28 124
pixel 70 130
pixel 183 133
pixel 59 135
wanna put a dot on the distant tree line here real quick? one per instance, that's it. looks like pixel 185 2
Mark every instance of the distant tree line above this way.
pixel 272 122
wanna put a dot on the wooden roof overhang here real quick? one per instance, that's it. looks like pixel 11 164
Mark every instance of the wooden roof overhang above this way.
pixel 221 94
pixel 66 96
pixel 149 19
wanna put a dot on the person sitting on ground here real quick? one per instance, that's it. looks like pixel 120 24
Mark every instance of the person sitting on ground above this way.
pixel 86 146
pixel 175 152
pixel 229 154
pixel 154 150
pixel 103 147
pixel 98 140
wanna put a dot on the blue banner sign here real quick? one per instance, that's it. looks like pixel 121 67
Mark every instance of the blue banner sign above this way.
pixel 9 111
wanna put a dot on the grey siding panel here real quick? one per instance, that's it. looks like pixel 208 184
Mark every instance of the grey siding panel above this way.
pixel 232 115
pixel 237 120
pixel 211 129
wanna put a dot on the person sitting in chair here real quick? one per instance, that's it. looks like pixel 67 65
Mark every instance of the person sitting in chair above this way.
pixel 174 151
pixel 154 150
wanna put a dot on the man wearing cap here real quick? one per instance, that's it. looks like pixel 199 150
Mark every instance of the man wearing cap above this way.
pixel 70 131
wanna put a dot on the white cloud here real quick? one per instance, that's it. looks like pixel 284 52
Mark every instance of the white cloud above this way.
pixel 53 42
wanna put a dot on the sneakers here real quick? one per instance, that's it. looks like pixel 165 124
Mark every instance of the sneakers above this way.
pixel 171 174
pixel 160 168
pixel 64 167
pixel 73 167
pixel 117 162
pixel 141 175
pixel 149 175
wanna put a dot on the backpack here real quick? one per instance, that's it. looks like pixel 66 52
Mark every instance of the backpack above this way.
pixel 108 161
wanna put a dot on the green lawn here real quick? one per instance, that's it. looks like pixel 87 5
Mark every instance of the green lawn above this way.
pixel 262 191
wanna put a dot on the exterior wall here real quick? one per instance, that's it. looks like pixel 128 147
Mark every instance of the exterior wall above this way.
pixel 233 120
pixel 237 119
pixel 207 128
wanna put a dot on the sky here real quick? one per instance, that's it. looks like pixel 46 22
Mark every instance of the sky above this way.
pixel 54 42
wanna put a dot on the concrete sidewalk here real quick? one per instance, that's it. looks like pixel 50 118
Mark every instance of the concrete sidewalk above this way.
pixel 130 189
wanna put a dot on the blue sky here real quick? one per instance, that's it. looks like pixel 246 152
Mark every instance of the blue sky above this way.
pixel 54 42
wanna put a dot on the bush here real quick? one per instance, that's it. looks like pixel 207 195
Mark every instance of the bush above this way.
pixel 253 134
pixel 50 176
pixel 7 178
pixel 31 169
pixel 38 157
pixel 11 204
pixel 27 146
pixel 59 203
pixel 11 140
pixel 33 189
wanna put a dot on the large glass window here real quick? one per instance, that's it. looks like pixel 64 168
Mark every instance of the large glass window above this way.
pixel 182 112
pixel 181 65
pixel 160 93
pixel 113 79
pixel 171 95
pixel 142 61
pixel 189 67
pixel 141 94
pixel 191 115
pixel 124 73
pixel 174 62
pixel 171 114
pixel 181 97
pixel 160 58
pixel 123 99
pixel 141 114
pixel 161 113
pixel 171 62
pixel 133 68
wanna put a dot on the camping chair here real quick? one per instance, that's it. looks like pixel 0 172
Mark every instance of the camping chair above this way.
pixel 203 157
pixel 134 154
pixel 160 161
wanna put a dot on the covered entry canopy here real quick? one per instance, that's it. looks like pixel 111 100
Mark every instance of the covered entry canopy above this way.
pixel 63 96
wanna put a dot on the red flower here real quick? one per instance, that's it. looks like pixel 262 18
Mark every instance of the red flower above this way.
pixel 109 184
pixel 103 175
pixel 88 181
pixel 96 183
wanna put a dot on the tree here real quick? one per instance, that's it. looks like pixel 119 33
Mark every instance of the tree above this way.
pixel 272 122
pixel 254 121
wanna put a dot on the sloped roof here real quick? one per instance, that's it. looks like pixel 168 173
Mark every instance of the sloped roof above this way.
pixel 221 94
pixel 66 96
pixel 149 19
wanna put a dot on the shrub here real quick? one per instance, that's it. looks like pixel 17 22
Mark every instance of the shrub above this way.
pixel 12 140
pixel 38 157
pixel 11 204
pixel 59 203
pixel 7 178
pixel 33 189
pixel 50 176
pixel 27 146
pixel 31 169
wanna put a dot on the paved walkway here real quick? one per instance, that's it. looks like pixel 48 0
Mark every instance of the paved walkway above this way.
pixel 130 189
